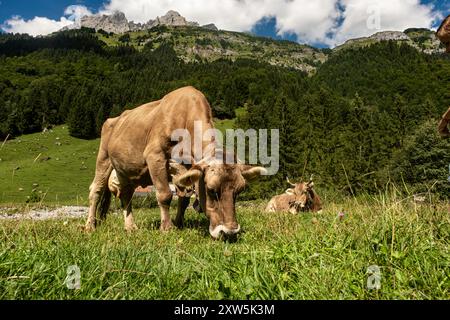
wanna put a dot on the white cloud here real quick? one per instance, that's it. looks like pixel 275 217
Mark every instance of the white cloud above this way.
pixel 76 12
pixel 35 26
pixel 309 19
pixel 312 21
pixel 43 25
pixel 366 17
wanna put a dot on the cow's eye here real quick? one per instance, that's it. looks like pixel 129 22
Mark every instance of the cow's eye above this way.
pixel 213 193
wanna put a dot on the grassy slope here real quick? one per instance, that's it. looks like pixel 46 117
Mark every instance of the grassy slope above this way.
pixel 280 256
pixel 64 178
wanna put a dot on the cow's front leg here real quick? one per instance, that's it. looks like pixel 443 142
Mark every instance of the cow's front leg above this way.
pixel 160 176
pixel 183 203
pixel 126 196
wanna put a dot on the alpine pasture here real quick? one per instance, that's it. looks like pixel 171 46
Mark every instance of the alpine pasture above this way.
pixel 324 255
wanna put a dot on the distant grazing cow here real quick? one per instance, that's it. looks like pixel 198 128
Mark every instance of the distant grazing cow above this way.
pixel 138 146
pixel 301 197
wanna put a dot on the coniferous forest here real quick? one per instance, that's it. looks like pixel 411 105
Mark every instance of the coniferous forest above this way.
pixel 365 119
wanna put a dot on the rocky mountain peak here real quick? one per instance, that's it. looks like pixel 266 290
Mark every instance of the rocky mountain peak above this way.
pixel 118 16
pixel 117 22
pixel 173 18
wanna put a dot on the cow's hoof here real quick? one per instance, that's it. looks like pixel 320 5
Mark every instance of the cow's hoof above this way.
pixel 179 224
pixel 166 226
pixel 131 227
pixel 89 228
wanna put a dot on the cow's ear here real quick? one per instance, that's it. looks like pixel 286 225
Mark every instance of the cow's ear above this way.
pixel 188 178
pixel 310 185
pixel 176 169
pixel 250 173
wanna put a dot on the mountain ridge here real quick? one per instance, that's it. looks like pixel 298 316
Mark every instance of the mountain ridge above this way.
pixel 118 23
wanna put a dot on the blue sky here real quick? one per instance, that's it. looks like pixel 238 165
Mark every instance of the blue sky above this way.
pixel 321 27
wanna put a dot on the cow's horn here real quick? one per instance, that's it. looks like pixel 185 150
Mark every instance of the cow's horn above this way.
pixel 292 184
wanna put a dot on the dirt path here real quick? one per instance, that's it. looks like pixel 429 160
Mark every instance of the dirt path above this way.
pixel 44 214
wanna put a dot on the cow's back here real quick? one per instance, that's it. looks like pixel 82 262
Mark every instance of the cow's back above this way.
pixel 148 128
pixel 280 203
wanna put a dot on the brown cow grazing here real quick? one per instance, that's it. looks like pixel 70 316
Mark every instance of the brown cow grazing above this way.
pixel 443 33
pixel 300 198
pixel 138 146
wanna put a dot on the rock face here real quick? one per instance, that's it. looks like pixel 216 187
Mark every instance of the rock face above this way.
pixel 210 26
pixel 173 18
pixel 115 23
pixel 389 35
pixel 118 23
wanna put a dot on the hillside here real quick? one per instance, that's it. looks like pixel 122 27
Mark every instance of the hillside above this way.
pixel 58 167
pixel 423 40
pixel 195 44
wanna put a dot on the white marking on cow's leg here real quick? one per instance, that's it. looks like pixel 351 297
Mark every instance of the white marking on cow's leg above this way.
pixel 129 221
pixel 166 223
pixel 93 201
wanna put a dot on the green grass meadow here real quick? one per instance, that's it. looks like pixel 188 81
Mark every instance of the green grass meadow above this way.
pixel 62 167
pixel 278 256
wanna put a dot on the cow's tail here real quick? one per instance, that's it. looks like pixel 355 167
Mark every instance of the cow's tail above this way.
pixel 104 201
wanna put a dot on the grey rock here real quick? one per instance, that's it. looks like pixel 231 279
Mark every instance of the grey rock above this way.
pixel 210 26
pixel 118 23
pixel 390 35
pixel 115 23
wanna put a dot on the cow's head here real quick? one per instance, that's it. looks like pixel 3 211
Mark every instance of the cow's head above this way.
pixel 305 196
pixel 443 33
pixel 219 185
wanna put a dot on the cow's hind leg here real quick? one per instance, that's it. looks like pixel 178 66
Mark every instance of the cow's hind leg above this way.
pixel 99 194
pixel 183 203
pixel 159 174
pixel 126 196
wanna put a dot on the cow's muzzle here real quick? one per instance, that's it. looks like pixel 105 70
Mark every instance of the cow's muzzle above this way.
pixel 222 230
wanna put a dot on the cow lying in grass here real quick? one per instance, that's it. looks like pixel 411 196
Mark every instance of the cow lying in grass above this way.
pixel 300 198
